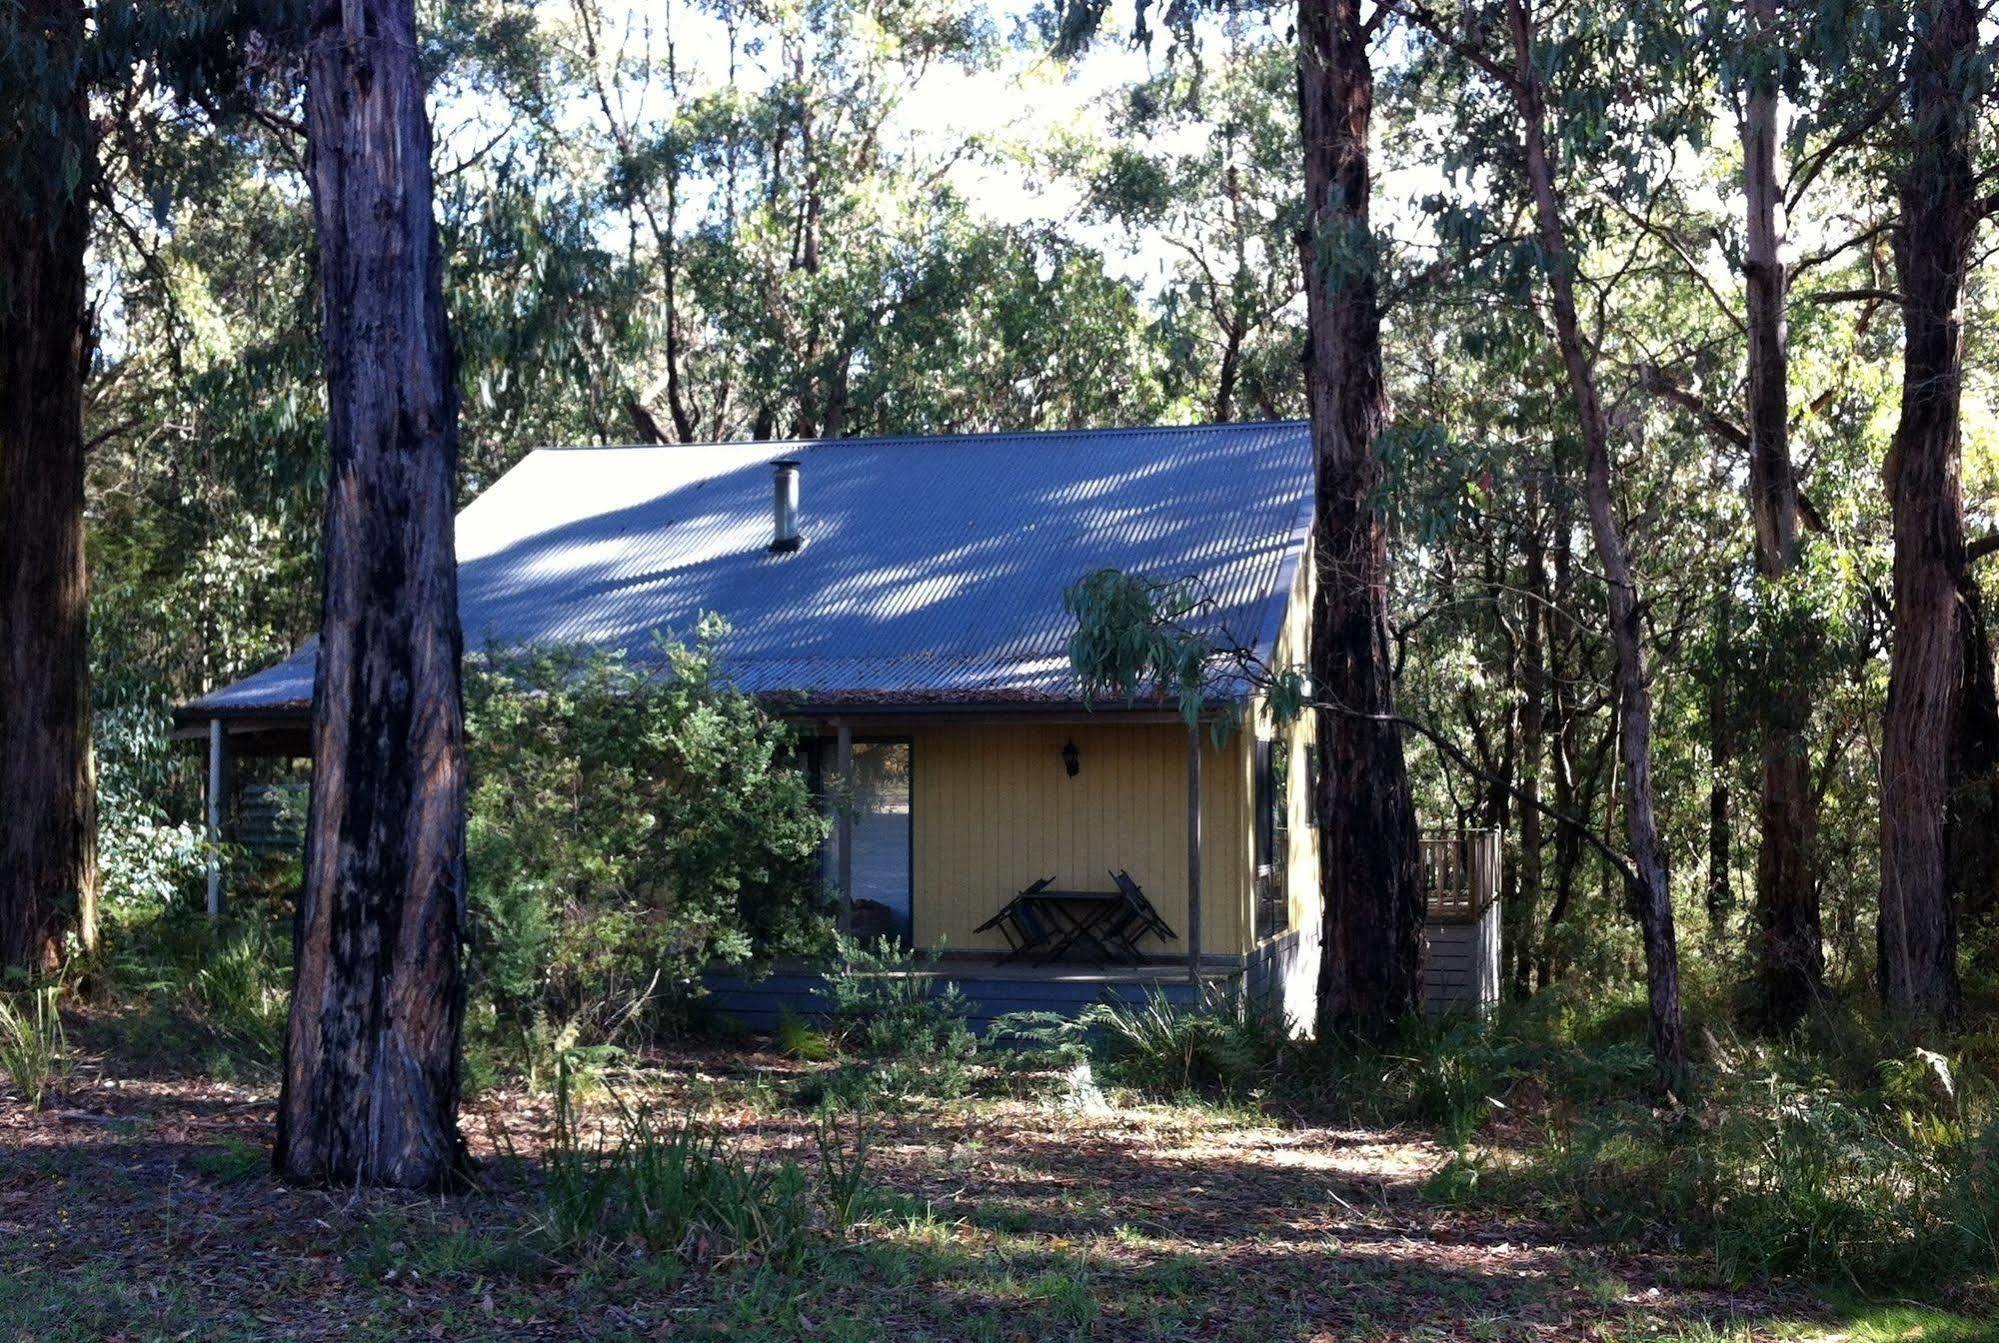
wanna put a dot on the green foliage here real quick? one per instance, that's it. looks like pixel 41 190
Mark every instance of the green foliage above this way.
pixel 803 259
pixel 1834 1161
pixel 795 1038
pixel 682 1188
pixel 843 1166
pixel 905 1026
pixel 240 981
pixel 34 1052
pixel 1791 1178
pixel 629 824
pixel 234 1161
pixel 1138 635
pixel 1227 1046
pixel 1201 160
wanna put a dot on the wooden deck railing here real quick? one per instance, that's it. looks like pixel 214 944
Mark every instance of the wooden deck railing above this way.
pixel 1460 874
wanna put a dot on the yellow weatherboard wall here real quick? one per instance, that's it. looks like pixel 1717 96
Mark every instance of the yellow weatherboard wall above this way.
pixel 1302 865
pixel 994 810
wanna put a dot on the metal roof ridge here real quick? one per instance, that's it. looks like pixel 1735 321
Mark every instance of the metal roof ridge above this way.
pixel 863 440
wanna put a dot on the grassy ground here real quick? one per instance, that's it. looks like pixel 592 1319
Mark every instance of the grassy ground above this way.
pixel 139 1208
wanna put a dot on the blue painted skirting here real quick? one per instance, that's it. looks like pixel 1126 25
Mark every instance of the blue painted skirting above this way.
pixel 757 1004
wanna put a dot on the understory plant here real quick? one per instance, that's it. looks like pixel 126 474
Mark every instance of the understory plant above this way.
pixel 905 1026
pixel 677 1186
pixel 1782 1168
pixel 1228 1045
pixel 630 821
pixel 34 1052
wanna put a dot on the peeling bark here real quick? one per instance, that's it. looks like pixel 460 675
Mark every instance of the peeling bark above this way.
pixel 1371 883
pixel 48 824
pixel 1916 938
pixel 371 1055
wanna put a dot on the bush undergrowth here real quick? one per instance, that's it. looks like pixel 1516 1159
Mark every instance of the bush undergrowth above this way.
pixel 676 1186
pixel 1836 1154
pixel 900 1029
pixel 34 1052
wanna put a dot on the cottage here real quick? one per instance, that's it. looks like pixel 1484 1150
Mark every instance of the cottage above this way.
pixel 901 600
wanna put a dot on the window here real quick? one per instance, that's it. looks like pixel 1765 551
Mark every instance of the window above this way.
pixel 1273 837
pixel 882 871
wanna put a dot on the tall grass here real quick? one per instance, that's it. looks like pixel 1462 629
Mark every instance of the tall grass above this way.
pixel 678 1187
pixel 34 1052
pixel 1228 1046
pixel 1837 1155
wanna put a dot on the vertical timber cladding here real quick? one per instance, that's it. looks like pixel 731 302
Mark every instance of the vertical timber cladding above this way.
pixel 995 809
pixel 1302 858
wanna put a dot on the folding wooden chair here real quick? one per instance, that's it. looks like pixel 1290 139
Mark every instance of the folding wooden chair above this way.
pixel 1020 923
pixel 1142 918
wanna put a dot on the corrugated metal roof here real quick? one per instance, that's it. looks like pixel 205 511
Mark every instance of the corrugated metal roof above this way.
pixel 933 568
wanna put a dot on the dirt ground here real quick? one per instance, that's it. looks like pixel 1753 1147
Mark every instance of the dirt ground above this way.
pixel 141 1209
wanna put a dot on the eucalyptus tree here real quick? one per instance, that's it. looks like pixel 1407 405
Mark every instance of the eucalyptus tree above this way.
pixel 370 1090
pixel 206 407
pixel 800 224
pixel 48 827
pixel 1801 83
pixel 1791 956
pixel 1940 665
pixel 1371 885
pixel 1373 889
pixel 1806 88
pixel 1200 160
pixel 1556 118
pixel 143 61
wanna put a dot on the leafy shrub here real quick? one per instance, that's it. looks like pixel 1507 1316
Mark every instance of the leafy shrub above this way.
pixel 145 860
pixel 1037 1041
pixel 34 1052
pixel 628 825
pixel 907 1026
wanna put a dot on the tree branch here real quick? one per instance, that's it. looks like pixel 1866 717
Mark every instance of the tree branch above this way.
pixel 1856 296
pixel 1654 380
pixel 1457 756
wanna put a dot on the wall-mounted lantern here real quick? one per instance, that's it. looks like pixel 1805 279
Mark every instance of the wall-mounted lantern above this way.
pixel 1071 761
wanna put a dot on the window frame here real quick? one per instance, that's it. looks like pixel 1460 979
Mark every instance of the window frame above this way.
pixel 1271 805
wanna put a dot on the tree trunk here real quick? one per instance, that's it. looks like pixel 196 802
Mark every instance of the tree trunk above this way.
pixel 1649 889
pixel 1575 792
pixel 1790 953
pixel 1533 717
pixel 1720 836
pixel 1917 933
pixel 1231 370
pixel 1370 880
pixel 371 1059
pixel 1720 894
pixel 1974 775
pixel 48 823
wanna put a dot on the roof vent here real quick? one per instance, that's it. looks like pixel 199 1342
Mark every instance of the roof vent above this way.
pixel 784 537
